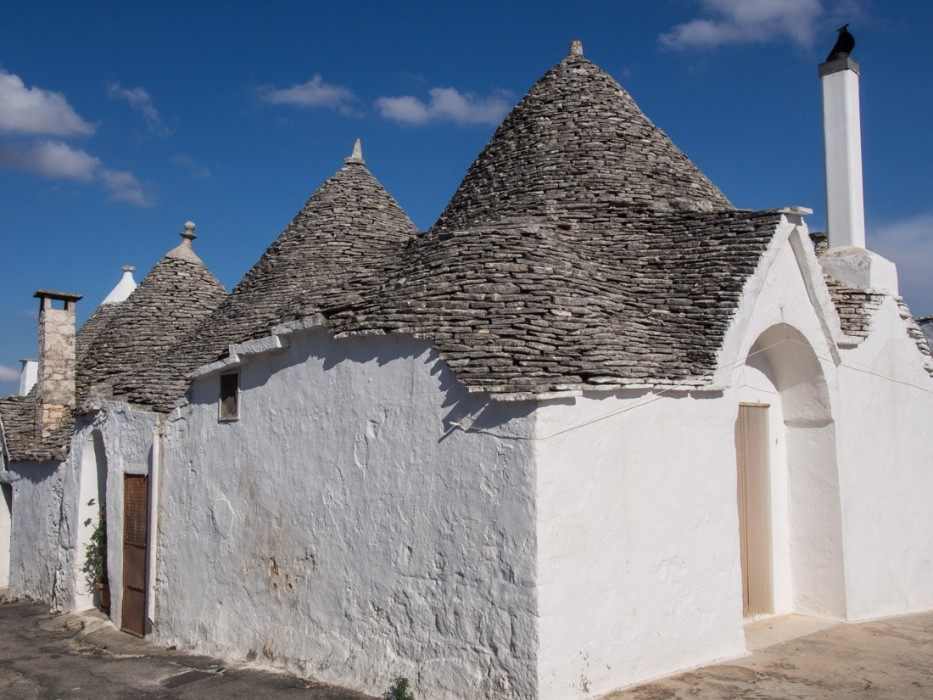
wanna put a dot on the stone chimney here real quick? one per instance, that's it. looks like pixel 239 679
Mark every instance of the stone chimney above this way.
pixel 847 259
pixel 28 372
pixel 56 377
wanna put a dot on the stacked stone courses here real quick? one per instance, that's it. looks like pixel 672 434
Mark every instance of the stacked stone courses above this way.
pixel 575 149
pixel 338 239
pixel 170 303
pixel 855 307
pixel 528 309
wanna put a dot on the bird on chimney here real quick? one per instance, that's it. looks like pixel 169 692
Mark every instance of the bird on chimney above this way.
pixel 844 44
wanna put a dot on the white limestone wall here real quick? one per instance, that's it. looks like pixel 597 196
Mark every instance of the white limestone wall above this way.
pixel 639 571
pixel 886 453
pixel 125 438
pixel 344 529
pixel 37 490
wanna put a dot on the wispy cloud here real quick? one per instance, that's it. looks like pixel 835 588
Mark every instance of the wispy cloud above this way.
pixel 59 161
pixel 141 101
pixel 747 21
pixel 315 93
pixel 8 374
pixel 186 162
pixel 909 243
pixel 445 104
pixel 32 110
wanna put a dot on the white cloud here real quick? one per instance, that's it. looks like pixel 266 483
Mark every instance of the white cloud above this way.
pixel 32 110
pixel 59 161
pixel 314 93
pixel 186 162
pixel 124 187
pixel 909 243
pixel 51 159
pixel 141 101
pixel 445 104
pixel 747 21
pixel 8 374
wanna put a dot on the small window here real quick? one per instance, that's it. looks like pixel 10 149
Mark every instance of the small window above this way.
pixel 229 396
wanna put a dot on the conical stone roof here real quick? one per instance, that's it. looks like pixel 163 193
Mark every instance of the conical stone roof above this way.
pixel 338 241
pixel 174 298
pixel 576 149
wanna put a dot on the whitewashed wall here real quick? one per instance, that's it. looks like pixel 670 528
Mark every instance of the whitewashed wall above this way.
pixel 638 540
pixel 34 543
pixel 343 529
pixel 886 449
pixel 49 534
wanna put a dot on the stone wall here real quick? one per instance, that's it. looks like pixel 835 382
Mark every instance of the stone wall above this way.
pixel 56 378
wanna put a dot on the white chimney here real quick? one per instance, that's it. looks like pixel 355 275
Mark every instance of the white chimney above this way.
pixel 842 138
pixel 27 376
pixel 124 287
pixel 847 259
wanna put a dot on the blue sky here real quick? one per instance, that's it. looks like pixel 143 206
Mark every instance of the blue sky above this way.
pixel 118 123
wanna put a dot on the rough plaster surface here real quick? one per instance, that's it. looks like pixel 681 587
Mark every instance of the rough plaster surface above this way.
pixel 344 529
pixel 639 492
pixel 886 453
pixel 34 546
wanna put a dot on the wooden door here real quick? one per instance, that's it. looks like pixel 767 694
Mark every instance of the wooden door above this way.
pixel 135 556
pixel 754 501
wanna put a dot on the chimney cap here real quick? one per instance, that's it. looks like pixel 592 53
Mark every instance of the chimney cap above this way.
pixel 58 296
pixel 838 65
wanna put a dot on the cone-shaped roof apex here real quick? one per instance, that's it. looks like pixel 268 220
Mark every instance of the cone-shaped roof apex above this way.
pixel 577 144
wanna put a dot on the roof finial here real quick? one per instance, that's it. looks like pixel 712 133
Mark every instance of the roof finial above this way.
pixel 357 155
pixel 129 268
pixel 185 249
pixel 576 48
pixel 188 234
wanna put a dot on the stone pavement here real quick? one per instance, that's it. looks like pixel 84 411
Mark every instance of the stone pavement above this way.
pixel 76 657
pixel 886 660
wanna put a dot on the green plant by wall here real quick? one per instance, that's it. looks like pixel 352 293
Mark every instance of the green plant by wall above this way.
pixel 95 557
pixel 399 690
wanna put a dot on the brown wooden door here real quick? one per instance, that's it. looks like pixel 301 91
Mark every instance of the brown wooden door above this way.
pixel 135 540
pixel 754 499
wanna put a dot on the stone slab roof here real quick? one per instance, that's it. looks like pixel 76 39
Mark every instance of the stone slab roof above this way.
pixel 926 324
pixel 340 237
pixel 855 307
pixel 21 441
pixel 577 147
pixel 916 331
pixel 520 310
pixel 168 305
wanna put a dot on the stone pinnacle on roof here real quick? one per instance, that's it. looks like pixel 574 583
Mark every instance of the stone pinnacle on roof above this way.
pixel 357 155
pixel 185 249
pixel 576 148
pixel 123 288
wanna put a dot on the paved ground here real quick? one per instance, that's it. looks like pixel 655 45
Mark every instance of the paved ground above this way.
pixel 889 660
pixel 44 656
pixel 50 657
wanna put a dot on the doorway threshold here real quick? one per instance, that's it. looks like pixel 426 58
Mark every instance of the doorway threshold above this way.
pixel 761 633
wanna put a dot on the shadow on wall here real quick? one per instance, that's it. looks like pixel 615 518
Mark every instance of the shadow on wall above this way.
pixel 479 411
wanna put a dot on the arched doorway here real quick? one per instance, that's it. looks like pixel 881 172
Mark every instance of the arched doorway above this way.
pixel 788 484
pixel 92 502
